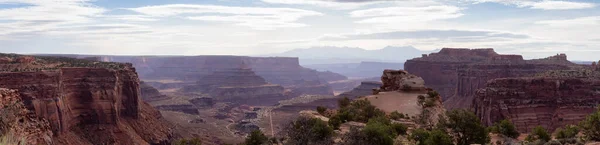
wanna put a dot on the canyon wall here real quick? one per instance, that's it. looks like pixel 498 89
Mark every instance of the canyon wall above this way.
pixel 456 73
pixel 277 70
pixel 79 102
pixel 550 102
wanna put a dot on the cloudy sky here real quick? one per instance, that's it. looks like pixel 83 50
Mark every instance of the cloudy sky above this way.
pixel 534 28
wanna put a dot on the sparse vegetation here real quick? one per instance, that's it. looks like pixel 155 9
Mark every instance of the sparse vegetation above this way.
pixel 505 128
pixel 193 141
pixel 321 110
pixel 591 126
pixel 379 130
pixel 567 132
pixel 358 110
pixel 538 133
pixel 309 131
pixel 396 116
pixel 256 138
pixel 464 127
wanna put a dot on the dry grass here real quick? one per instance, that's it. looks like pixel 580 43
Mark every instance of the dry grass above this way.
pixel 10 139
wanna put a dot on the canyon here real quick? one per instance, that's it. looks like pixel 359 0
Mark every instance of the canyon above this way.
pixel 551 100
pixel 456 73
pixel 81 99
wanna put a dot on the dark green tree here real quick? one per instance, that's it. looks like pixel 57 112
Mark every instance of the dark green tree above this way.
pixel 344 102
pixel 438 137
pixel 309 131
pixel 591 126
pixel 321 110
pixel 567 132
pixel 538 133
pixel 465 127
pixel 505 128
pixel 256 138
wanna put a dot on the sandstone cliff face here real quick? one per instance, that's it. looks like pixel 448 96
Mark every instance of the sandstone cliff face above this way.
pixel 80 102
pixel 528 102
pixel 457 73
pixel 19 122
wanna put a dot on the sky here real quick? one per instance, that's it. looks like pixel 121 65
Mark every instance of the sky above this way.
pixel 534 28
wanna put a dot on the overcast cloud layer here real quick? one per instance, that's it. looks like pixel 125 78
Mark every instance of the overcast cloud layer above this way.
pixel 534 28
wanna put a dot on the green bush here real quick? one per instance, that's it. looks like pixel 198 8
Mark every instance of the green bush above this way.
pixel 438 137
pixel 335 122
pixel 435 137
pixel 396 115
pixel 309 131
pixel 569 131
pixel 538 133
pixel 256 138
pixel 344 102
pixel 465 127
pixel 321 110
pixel 400 129
pixel 505 128
pixel 591 126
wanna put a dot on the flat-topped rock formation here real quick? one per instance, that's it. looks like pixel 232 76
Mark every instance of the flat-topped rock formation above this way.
pixel 550 100
pixel 81 98
pixel 396 80
pixel 239 85
pixel 364 89
pixel 456 73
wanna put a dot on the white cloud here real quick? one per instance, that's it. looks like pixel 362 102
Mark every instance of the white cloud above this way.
pixel 583 21
pixel 406 14
pixel 259 18
pixel 321 3
pixel 543 4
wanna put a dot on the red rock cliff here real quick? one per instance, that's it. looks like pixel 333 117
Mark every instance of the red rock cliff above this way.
pixel 80 103
pixel 529 102
pixel 457 73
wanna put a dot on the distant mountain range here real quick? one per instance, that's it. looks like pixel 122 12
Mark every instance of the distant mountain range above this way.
pixel 331 55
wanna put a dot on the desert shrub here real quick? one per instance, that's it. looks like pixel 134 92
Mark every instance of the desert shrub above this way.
pixel 321 110
pixel 569 131
pixel 396 115
pixel 421 100
pixel 256 137
pixel 359 110
pixel 433 94
pixel 400 129
pixel 465 127
pixel 591 126
pixel 305 131
pixel 335 122
pixel 193 141
pixel 553 142
pixel 538 133
pixel 344 102
pixel 505 128
pixel 435 137
pixel 438 137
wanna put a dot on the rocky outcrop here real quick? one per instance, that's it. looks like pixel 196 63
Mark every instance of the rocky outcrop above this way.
pixel 457 73
pixel 17 121
pixel 548 101
pixel 397 80
pixel 81 102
